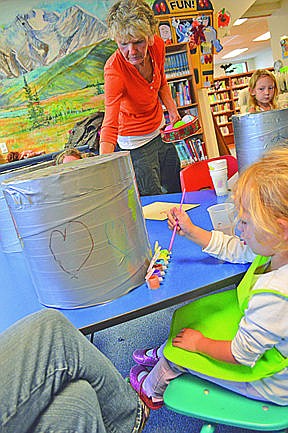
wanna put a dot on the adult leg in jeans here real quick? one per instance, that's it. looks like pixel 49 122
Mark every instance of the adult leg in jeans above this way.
pixel 169 166
pixel 76 399
pixel 41 356
pixel 147 169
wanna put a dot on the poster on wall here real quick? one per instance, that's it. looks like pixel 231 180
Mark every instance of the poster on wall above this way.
pixel 52 58
pixel 284 46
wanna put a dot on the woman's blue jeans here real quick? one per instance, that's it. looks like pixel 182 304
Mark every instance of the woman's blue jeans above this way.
pixel 52 379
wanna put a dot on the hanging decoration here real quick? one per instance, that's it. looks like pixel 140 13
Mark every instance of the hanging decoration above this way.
pixel 223 18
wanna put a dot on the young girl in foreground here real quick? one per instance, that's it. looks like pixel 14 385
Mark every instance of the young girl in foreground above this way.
pixel 263 91
pixel 261 199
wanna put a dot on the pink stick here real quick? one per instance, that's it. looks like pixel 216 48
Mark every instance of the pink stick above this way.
pixel 175 228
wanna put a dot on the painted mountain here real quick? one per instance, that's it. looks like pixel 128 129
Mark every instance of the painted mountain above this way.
pixel 82 69
pixel 41 38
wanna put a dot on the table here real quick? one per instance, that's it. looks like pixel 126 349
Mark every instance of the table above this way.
pixel 191 273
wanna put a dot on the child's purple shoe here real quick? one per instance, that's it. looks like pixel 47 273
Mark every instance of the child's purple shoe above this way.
pixel 142 357
pixel 136 383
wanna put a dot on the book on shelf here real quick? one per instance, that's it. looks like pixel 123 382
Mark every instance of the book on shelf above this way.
pixel 221 107
pixel 191 150
pixel 215 97
pixel 180 91
pixel 224 130
pixel 176 64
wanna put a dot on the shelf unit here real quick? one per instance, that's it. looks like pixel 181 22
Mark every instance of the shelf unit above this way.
pixel 189 60
pixel 181 80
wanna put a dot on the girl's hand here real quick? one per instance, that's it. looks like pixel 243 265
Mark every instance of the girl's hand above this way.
pixel 183 223
pixel 194 341
pixel 188 339
pixel 185 227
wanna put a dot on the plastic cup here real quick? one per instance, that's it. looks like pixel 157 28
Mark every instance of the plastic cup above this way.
pixel 223 217
pixel 219 175
pixel 218 164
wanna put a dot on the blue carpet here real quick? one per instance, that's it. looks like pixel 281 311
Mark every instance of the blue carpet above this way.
pixel 118 343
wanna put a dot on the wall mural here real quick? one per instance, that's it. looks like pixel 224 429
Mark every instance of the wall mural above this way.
pixel 52 56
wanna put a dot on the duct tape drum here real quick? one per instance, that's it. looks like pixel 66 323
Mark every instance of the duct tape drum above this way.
pixel 256 133
pixel 9 240
pixel 82 228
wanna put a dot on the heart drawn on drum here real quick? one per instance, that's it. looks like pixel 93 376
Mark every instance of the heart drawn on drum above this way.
pixel 66 246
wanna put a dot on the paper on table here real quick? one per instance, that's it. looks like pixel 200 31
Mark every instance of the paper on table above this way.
pixel 158 210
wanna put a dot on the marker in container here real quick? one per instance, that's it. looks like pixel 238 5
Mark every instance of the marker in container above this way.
pixel 165 254
pixel 161 262
pixel 159 272
pixel 160 266
pixel 153 282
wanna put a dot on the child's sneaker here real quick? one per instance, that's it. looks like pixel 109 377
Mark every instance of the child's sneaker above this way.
pixel 138 374
pixel 146 357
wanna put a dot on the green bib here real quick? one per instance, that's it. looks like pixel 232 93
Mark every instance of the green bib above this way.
pixel 217 316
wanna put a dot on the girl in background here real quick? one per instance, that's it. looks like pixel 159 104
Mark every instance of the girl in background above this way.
pixel 263 91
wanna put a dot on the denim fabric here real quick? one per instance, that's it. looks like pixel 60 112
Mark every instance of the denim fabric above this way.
pixel 157 167
pixel 52 379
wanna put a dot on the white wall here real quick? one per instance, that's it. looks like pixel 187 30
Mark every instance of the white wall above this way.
pixel 262 61
pixel 279 27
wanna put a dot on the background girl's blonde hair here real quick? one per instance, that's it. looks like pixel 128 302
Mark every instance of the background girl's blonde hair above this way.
pixel 252 103
pixel 262 190
pixel 128 19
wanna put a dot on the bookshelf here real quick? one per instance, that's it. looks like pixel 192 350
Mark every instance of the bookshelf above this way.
pixel 223 98
pixel 181 81
pixel 185 30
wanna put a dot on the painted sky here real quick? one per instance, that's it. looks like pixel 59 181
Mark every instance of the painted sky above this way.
pixel 10 8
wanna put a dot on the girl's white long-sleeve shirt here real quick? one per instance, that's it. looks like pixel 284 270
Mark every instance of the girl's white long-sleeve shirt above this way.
pixel 264 324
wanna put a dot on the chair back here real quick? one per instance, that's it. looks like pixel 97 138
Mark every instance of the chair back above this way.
pixel 196 176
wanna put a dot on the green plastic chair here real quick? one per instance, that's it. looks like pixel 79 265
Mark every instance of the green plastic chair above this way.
pixel 198 398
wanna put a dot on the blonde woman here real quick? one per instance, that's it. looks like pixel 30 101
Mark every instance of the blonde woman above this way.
pixel 135 89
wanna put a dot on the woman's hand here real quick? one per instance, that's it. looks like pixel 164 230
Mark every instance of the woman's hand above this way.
pixel 174 116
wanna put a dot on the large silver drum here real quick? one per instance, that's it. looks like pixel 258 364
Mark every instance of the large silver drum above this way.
pixel 255 133
pixel 82 229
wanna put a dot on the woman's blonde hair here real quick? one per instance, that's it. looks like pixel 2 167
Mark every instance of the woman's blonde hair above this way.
pixel 128 19
pixel 252 103
pixel 262 190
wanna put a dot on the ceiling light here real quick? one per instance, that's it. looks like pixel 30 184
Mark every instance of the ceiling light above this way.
pixel 240 21
pixel 234 53
pixel 263 37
